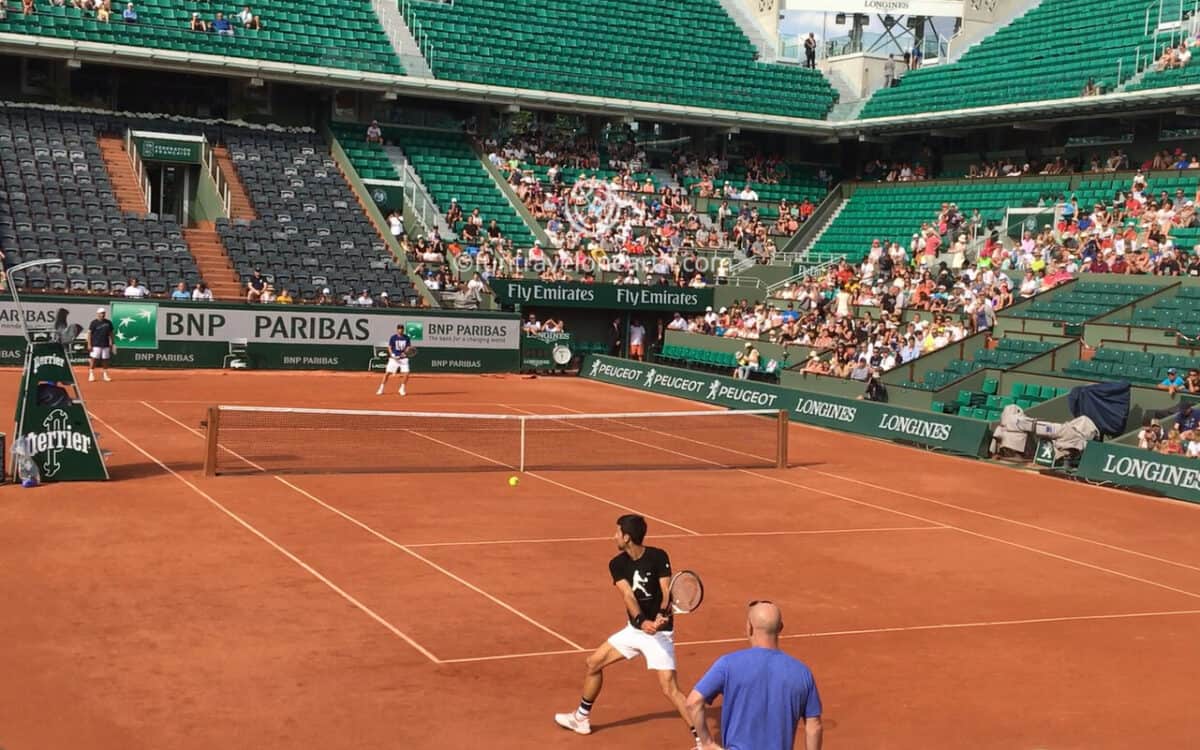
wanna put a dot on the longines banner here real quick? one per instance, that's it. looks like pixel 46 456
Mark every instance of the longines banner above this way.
pixel 193 335
pixel 1128 466
pixel 949 8
pixel 954 434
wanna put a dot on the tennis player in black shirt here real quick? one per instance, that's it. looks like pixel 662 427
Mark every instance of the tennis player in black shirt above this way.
pixel 642 576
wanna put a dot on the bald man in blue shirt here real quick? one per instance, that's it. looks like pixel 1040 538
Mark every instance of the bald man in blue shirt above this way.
pixel 767 693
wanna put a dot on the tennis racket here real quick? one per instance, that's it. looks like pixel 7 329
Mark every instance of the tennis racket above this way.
pixel 686 592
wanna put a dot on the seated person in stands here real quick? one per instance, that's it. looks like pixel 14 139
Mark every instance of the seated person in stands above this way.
pixel 221 25
pixel 364 299
pixel 1172 444
pixel 552 326
pixel 245 17
pixel 1149 436
pixel 255 24
pixel 202 293
pixel 1172 383
pixel 374 133
pixel 454 214
pixel 255 286
pixel 284 297
pixel 326 297
pixel 747 360
pixel 129 14
pixel 531 325
pixel 1192 382
pixel 103 11
pixel 181 293
pixel 1188 419
pixel 268 295
pixel 135 290
pixel 197 23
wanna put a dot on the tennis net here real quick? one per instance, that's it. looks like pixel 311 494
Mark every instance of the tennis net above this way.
pixel 253 439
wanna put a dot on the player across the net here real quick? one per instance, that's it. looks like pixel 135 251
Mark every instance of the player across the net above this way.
pixel 247 439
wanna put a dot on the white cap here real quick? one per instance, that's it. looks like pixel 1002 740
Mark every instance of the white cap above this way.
pixel 708 309
pixel 325 290
pixel 101 310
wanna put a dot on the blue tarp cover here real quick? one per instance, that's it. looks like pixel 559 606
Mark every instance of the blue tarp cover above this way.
pixel 1106 404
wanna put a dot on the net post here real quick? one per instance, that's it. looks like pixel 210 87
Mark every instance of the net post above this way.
pixel 211 433
pixel 781 458
pixel 521 463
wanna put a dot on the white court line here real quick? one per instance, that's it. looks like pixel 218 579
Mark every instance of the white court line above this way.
pixel 870 631
pixel 964 509
pixel 567 539
pixel 978 534
pixel 278 547
pixel 403 548
pixel 383 537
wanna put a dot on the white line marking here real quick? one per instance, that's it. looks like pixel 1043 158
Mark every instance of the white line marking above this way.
pixel 566 539
pixel 870 631
pixel 978 534
pixel 383 537
pixel 278 547
pixel 1190 507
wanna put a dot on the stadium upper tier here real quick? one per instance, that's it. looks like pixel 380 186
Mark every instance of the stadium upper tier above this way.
pixel 1093 39
pixel 689 53
pixel 344 34
pixel 892 212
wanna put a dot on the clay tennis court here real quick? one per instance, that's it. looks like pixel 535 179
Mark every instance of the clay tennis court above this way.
pixel 941 602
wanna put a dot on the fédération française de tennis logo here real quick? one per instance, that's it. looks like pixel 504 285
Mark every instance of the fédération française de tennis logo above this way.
pixel 136 325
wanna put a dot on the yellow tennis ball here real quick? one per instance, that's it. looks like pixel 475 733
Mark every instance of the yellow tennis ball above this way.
pixel 512 481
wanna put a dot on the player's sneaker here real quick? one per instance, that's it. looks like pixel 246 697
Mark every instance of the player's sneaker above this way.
pixel 91 377
pixel 107 379
pixel 402 393
pixel 380 391
pixel 573 722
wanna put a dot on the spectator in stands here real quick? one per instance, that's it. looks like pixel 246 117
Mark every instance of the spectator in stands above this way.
pixel 364 299
pixel 889 72
pixel 135 290
pixel 1172 383
pixel 181 293
pixel 104 11
pixel 1187 419
pixel 810 51
pixel 284 297
pixel 255 24
pixel 197 23
pixel 1149 436
pixel 4 10
pixel 245 17
pixel 375 133
pixel 476 288
pixel 747 361
pixel 396 224
pixel 1090 88
pixel 27 8
pixel 129 14
pixel 221 25
pixel 268 295
pixel 325 297
pixel 255 286
pixel 202 293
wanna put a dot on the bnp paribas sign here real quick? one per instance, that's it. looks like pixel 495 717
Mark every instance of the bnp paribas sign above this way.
pixel 627 297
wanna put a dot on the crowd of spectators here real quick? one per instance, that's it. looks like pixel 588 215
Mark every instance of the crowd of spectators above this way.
pixel 1181 437
pixel 225 26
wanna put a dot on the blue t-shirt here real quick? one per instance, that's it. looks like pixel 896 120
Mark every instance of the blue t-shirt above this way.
pixel 398 345
pixel 766 692
pixel 1175 381
pixel 180 294
pixel 1188 421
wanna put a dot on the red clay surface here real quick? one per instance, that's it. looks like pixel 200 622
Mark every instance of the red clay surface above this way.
pixel 942 603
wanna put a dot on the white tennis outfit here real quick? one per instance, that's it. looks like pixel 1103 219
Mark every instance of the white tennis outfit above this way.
pixel 101 352
pixel 659 649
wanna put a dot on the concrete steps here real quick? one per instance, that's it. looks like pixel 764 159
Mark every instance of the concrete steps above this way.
pixel 213 262
pixel 130 196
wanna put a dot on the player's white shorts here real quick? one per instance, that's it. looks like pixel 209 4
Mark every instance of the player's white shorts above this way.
pixel 659 649
pixel 101 352
pixel 395 365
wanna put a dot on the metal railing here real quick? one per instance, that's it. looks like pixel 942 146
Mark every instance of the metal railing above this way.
pixel 139 168
pixel 208 158
pixel 425 44
pixel 817 270
pixel 424 210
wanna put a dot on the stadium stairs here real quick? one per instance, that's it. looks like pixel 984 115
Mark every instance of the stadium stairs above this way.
pixel 239 200
pixel 131 198
pixel 213 262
